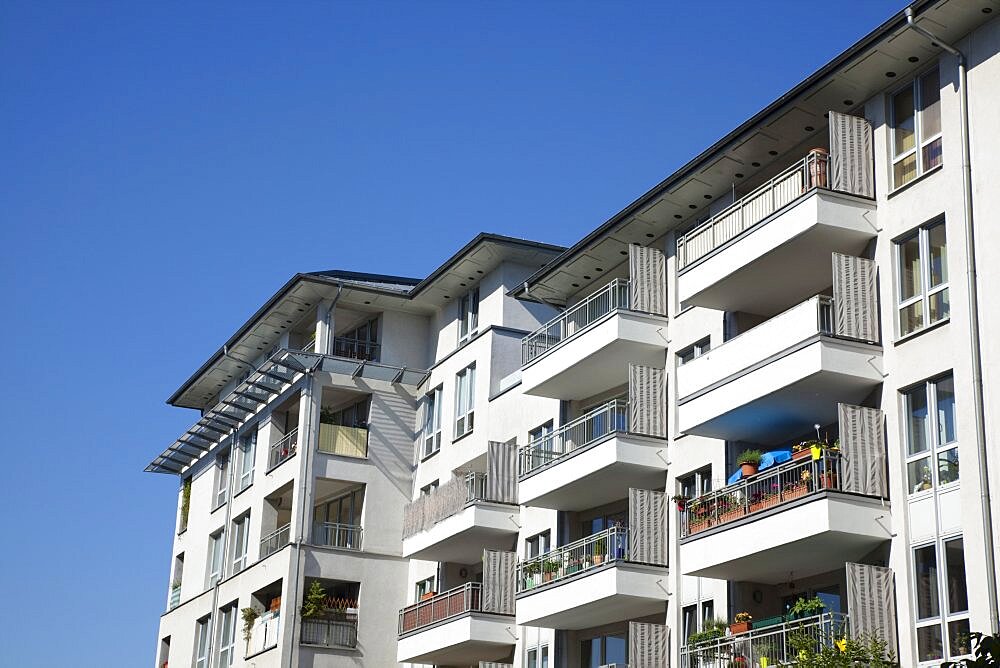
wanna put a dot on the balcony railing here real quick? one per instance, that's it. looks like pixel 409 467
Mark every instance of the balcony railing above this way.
pixel 772 488
pixel 309 346
pixel 283 449
pixel 808 173
pixel 577 557
pixel 330 632
pixel 587 429
pixel 773 643
pixel 572 321
pixel 446 500
pixel 356 349
pixel 264 634
pixel 440 607
pixel 175 597
pixel 334 534
pixel 275 540
pixel 344 441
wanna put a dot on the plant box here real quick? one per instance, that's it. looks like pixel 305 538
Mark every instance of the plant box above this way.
pixel 794 492
pixel 768 501
pixel 699 525
pixel 739 627
pixel 805 453
pixel 731 515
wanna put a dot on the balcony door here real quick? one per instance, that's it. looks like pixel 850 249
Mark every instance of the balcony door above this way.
pixel 604 650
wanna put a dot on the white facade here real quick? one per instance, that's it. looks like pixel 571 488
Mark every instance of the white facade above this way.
pixel 749 302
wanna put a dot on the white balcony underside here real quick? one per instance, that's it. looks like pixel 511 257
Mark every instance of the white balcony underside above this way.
pixel 462 537
pixel 596 359
pixel 465 640
pixel 784 396
pixel 797 242
pixel 816 535
pixel 618 592
pixel 597 474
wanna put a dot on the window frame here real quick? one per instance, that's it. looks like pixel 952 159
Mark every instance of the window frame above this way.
pixel 696 483
pixel 216 556
pixel 694 351
pixel 202 646
pixel 936 448
pixel 537 541
pixel 920 142
pixel 422 587
pixel 239 543
pixel 468 315
pixel 227 636
pixel 944 617
pixel 221 491
pixel 246 452
pixel 927 291
pixel 465 401
pixel 433 414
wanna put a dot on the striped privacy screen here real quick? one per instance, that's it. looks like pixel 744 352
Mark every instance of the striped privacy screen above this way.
pixel 648 645
pixel 851 155
pixel 862 447
pixel 648 285
pixel 855 298
pixel 871 600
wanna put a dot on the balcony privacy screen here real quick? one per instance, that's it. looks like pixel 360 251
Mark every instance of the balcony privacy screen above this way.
pixel 648 645
pixel 501 472
pixel 871 601
pixel 647 521
pixel 499 572
pixel 855 298
pixel 851 155
pixel 648 285
pixel 647 406
pixel 862 446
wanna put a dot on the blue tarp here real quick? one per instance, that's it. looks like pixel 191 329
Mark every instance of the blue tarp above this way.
pixel 767 460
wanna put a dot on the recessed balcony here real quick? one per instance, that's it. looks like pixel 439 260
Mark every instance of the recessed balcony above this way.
pixel 806 516
pixel 586 350
pixel 590 461
pixel 786 227
pixel 593 581
pixel 777 379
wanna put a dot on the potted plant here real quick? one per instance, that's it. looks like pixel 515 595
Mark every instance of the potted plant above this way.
pixel 796 488
pixel 740 623
pixel 698 517
pixel 549 569
pixel 681 501
pixel 730 508
pixel 600 549
pixel 250 616
pixel 748 461
pixel 739 661
pixel 807 607
pixel 765 497
pixel 804 449
pixel 712 629
pixel 767 653
pixel 315 603
pixel 572 565
pixel 531 570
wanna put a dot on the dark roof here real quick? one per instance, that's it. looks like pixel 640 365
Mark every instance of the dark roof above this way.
pixel 376 281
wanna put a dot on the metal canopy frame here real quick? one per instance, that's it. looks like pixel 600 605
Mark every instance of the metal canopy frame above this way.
pixel 265 383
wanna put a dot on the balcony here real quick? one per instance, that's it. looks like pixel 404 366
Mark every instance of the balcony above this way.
pixel 283 450
pixel 331 633
pixel 777 379
pixel 175 597
pixel 786 227
pixel 336 535
pixel 586 350
pixel 767 644
pixel 590 461
pixel 590 582
pixel 265 633
pixel 803 516
pixel 456 521
pixel 454 628
pixel 275 540
pixel 343 441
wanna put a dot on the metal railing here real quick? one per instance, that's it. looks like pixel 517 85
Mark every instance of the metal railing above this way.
pixel 175 597
pixel 824 315
pixel 275 540
pixel 576 557
pixel 773 643
pixel 810 172
pixel 439 607
pixel 309 346
pixel 330 632
pixel 283 449
pixel 475 487
pixel 569 323
pixel 587 429
pixel 334 534
pixel 774 487
pixel 355 349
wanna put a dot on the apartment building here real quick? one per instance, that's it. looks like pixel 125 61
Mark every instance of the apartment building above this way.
pixel 532 457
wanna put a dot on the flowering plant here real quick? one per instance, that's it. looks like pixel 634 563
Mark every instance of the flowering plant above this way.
pixel 742 617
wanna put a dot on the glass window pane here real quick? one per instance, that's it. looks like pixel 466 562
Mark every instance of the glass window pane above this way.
pixel 911 318
pixel 902 116
pixel 945 392
pixel 930 103
pixel 918 473
pixel 614 649
pixel 591 651
pixel 545 657
pixel 930 154
pixel 916 417
pixel 925 567
pixel 958 638
pixel 910 281
pixel 958 596
pixel 938 245
pixel 929 643
pixel 947 463
pixel 905 170
pixel 532 658
pixel 939 305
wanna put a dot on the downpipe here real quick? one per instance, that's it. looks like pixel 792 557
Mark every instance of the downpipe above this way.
pixel 973 306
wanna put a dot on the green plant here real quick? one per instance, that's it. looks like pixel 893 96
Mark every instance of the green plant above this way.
pixel 250 616
pixel 315 604
pixel 987 653
pixel 705 636
pixel 185 503
pixel 327 416
pixel 767 648
pixel 532 567
pixel 750 457
pixel 842 652
pixel 808 607
pixel 551 565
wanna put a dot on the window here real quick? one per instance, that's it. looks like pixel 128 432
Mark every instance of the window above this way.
pixel 227 636
pixel 432 421
pixel 689 622
pixel 603 650
pixel 931 440
pixel 201 632
pixel 539 434
pixel 336 519
pixel 922 262
pixel 916 128
pixel 360 343
pixel 538 657
pixel 942 601
pixel 216 550
pixel 355 415
pixel 468 315
pixel 239 536
pixel 536 545
pixel 695 484
pixel 695 350
pixel 427 489
pixel 424 587
pixel 246 452
pixel 465 400
pixel 707 612
pixel 221 480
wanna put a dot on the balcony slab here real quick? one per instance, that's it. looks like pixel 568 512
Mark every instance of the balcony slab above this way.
pixel 464 640
pixel 462 537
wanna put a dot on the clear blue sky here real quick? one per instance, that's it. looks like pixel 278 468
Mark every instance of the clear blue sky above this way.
pixel 165 167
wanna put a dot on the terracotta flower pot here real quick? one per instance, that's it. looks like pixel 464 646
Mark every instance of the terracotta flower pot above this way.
pixel 748 470
pixel 739 627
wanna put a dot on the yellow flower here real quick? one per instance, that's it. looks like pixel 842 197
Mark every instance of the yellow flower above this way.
pixel 841 644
